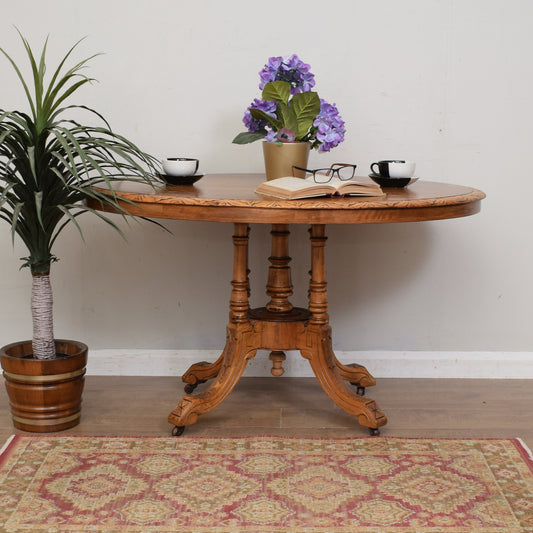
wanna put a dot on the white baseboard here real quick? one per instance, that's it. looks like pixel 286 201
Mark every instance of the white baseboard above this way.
pixel 384 364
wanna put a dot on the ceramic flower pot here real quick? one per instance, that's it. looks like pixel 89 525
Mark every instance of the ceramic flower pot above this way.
pixel 45 395
pixel 281 157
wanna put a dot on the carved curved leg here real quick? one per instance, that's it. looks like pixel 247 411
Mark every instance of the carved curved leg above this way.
pixel 322 359
pixel 200 373
pixel 203 371
pixel 316 346
pixel 239 346
pixel 236 354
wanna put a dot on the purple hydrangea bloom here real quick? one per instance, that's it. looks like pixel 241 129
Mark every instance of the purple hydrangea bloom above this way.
pixel 330 127
pixel 290 69
pixel 254 124
pixel 271 136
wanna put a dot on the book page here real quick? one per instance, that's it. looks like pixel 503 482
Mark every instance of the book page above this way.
pixel 290 183
pixel 290 187
pixel 293 188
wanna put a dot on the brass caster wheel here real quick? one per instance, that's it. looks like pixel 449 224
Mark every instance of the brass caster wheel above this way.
pixel 178 430
pixel 374 432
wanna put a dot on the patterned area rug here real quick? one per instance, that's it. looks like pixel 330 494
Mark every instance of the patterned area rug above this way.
pixel 265 484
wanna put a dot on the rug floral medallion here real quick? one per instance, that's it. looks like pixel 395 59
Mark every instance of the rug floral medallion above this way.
pixel 265 484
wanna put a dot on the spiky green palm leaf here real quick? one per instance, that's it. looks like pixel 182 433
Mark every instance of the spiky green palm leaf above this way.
pixel 51 165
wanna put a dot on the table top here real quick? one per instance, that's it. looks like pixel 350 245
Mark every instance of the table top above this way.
pixel 231 198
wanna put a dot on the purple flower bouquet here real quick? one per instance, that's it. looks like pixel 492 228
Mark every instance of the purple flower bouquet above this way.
pixel 289 111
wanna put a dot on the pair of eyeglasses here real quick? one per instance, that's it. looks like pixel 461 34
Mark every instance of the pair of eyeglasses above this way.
pixel 344 172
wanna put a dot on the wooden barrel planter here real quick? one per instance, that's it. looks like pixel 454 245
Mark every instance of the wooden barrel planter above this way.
pixel 45 395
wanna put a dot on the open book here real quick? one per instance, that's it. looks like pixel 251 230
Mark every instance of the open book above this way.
pixel 290 188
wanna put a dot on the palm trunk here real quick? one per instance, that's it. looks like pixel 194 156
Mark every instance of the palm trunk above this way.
pixel 42 316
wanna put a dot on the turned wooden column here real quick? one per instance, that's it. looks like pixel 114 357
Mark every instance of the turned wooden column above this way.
pixel 279 289
pixel 279 284
pixel 318 302
pixel 239 305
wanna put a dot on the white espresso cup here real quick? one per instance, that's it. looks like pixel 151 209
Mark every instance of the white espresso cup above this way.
pixel 394 168
pixel 180 166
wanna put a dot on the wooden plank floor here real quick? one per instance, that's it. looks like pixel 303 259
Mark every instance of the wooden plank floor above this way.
pixel 297 407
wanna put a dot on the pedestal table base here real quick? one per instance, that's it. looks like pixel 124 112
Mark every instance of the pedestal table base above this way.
pixel 278 327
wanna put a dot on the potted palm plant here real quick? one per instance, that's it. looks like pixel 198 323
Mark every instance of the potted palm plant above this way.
pixel 49 167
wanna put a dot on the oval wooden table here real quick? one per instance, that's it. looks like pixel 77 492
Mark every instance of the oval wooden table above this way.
pixel 279 326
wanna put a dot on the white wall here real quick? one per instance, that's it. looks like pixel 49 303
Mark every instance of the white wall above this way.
pixel 447 83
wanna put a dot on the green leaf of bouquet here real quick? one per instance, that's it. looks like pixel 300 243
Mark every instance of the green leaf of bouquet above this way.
pixel 277 91
pixel 261 115
pixel 306 107
pixel 287 116
pixel 304 127
pixel 247 137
